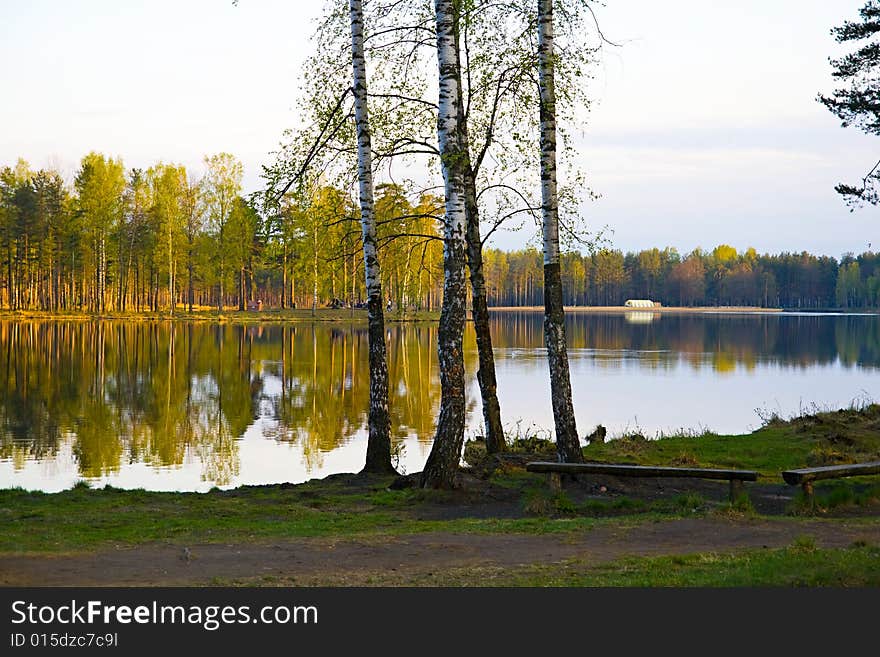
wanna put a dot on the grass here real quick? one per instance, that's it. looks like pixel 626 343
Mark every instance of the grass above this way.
pixel 84 519
pixel 848 435
pixel 544 503
pixel 838 495
pixel 768 451
pixel 801 564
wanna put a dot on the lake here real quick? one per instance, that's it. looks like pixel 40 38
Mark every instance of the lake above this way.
pixel 190 406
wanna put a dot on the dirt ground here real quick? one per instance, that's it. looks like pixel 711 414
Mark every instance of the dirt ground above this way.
pixel 409 558
pixel 420 557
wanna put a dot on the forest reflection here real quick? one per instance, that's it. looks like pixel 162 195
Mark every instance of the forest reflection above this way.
pixel 159 393
pixel 167 394
pixel 721 341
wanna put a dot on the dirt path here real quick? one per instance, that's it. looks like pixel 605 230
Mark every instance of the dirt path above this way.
pixel 410 557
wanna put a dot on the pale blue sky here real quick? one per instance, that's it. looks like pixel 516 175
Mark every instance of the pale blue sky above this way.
pixel 706 127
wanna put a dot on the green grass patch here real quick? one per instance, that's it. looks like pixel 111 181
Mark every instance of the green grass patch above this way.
pixel 794 566
pixel 801 564
pixel 838 495
pixel 768 451
pixel 84 519
pixel 845 436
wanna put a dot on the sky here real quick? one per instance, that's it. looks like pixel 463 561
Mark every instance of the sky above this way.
pixel 705 127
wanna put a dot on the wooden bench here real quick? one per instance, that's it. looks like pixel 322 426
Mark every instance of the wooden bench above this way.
pixel 554 470
pixel 806 476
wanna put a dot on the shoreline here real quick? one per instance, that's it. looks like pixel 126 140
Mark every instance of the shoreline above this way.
pixel 722 310
pixel 656 309
pixel 359 315
pixel 232 316
pixel 501 524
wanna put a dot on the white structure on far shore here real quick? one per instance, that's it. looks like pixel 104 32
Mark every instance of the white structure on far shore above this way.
pixel 640 316
pixel 639 303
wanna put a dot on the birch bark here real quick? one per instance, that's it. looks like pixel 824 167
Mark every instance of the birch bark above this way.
pixel 567 442
pixel 442 464
pixel 479 306
pixel 378 459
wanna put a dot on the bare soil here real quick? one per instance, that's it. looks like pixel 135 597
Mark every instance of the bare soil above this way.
pixel 415 557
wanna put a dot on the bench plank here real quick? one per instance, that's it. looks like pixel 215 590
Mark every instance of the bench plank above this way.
pixel 639 470
pixel 806 475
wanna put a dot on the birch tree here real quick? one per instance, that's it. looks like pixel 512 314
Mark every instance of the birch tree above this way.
pixel 442 464
pixel 407 111
pixel 486 378
pixel 100 184
pixel 495 67
pixel 567 441
pixel 241 234
pixel 168 183
pixel 192 227
pixel 378 458
pixel 495 91
pixel 495 57
pixel 222 185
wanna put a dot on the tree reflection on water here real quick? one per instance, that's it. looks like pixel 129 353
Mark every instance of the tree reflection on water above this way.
pixel 171 395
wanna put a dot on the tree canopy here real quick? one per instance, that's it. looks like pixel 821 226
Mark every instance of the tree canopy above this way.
pixel 857 102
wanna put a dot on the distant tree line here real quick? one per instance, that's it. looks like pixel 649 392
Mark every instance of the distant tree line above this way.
pixel 117 240
pixel 160 239
pixel 721 277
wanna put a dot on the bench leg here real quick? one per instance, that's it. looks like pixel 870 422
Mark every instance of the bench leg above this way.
pixel 736 490
pixel 554 479
pixel 807 487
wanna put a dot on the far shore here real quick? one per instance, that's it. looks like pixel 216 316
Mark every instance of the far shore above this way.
pixel 359 315
pixel 228 315
pixel 655 309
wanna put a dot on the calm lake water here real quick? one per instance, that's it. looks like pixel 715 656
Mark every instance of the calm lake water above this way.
pixel 168 406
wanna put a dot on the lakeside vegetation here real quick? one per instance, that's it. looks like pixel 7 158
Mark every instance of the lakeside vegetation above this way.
pixel 504 499
pixel 815 439
pixel 349 505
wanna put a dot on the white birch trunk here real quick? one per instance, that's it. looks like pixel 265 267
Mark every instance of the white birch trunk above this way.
pixel 378 457
pixel 442 464
pixel 546 82
pixel 567 441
